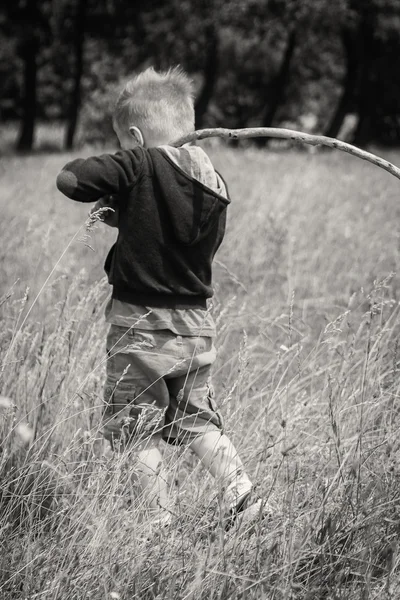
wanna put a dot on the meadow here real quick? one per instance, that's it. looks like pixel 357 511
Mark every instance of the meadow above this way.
pixel 307 378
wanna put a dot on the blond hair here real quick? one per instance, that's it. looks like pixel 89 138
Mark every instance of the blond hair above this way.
pixel 161 103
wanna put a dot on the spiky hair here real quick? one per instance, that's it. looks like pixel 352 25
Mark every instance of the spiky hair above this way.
pixel 159 102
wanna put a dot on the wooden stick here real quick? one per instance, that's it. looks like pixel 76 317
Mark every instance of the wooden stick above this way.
pixel 289 134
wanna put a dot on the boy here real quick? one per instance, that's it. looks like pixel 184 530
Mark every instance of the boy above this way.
pixel 170 212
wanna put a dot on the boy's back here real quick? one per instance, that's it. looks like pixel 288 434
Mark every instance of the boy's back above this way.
pixel 191 320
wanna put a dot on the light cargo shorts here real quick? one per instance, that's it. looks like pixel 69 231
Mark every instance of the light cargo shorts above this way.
pixel 158 382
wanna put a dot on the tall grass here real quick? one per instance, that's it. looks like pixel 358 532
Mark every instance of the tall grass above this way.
pixel 307 380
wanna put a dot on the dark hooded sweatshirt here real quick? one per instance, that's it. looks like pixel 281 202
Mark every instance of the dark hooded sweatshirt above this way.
pixel 170 225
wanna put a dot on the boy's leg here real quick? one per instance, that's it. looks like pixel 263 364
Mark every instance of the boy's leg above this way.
pixel 135 395
pixel 220 458
pixel 193 419
pixel 152 476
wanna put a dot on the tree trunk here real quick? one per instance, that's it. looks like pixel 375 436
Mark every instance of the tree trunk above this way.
pixel 278 86
pixel 346 101
pixel 367 92
pixel 75 102
pixel 29 50
pixel 210 76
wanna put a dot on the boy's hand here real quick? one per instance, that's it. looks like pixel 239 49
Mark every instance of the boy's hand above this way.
pixel 109 217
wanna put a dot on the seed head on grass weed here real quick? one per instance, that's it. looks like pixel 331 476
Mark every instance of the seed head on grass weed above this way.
pixel 92 221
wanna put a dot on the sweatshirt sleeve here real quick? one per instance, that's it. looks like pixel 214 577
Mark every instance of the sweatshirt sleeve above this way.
pixel 87 180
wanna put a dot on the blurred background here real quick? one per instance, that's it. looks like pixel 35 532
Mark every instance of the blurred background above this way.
pixel 320 66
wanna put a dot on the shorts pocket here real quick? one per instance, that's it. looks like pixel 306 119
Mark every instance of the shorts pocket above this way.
pixel 125 420
pixel 116 420
pixel 119 396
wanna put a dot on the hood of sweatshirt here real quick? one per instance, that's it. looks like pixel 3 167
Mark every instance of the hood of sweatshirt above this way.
pixel 193 192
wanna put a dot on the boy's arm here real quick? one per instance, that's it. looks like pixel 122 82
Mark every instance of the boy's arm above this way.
pixel 87 180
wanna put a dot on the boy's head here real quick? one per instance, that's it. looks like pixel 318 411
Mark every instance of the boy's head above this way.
pixel 154 108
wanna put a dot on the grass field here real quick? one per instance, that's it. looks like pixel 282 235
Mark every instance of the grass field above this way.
pixel 307 378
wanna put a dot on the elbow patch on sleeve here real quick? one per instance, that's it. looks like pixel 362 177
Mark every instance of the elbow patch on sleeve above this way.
pixel 67 182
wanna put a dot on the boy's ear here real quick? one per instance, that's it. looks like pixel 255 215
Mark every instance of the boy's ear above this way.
pixel 137 134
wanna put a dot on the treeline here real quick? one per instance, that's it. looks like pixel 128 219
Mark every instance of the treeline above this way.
pixel 307 63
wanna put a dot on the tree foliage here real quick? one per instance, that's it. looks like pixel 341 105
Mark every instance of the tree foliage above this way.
pixel 254 62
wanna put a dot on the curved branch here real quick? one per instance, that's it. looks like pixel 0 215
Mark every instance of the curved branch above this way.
pixel 289 134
